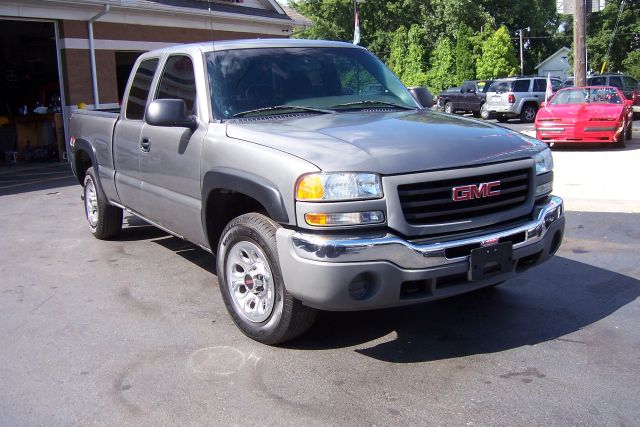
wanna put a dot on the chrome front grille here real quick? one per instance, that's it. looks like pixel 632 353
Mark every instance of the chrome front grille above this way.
pixel 427 203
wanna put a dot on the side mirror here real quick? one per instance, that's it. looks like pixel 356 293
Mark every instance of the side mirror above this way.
pixel 543 104
pixel 471 90
pixel 628 101
pixel 170 113
pixel 422 95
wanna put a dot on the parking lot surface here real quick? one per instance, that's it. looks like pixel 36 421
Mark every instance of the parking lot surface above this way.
pixel 133 331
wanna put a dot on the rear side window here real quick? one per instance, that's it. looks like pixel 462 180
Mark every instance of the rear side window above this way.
pixel 178 81
pixel 539 85
pixel 555 85
pixel 139 92
pixel 616 81
pixel 521 86
pixel 597 81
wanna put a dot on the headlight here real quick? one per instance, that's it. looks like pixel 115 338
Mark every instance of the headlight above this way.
pixel 338 186
pixel 544 161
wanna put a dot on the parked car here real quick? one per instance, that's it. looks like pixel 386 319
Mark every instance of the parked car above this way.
pixel 469 98
pixel 518 97
pixel 589 114
pixel 630 86
pixel 311 193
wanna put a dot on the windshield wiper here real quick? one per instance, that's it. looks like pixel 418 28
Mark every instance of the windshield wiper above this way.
pixel 367 102
pixel 275 108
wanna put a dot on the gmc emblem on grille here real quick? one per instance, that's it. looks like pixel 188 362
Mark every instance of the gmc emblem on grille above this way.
pixel 469 192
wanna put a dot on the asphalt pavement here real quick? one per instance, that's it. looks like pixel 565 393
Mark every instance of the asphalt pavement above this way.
pixel 133 331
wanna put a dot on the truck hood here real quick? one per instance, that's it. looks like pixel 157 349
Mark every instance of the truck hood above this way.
pixel 386 143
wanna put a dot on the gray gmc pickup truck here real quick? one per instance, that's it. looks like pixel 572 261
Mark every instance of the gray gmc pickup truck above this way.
pixel 316 179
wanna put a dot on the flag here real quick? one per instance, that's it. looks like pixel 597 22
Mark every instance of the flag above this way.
pixel 356 31
pixel 549 92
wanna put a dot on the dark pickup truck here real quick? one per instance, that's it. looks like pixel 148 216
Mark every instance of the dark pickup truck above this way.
pixel 470 98
pixel 316 179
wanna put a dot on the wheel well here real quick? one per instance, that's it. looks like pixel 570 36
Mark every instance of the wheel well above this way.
pixel 82 163
pixel 532 103
pixel 221 207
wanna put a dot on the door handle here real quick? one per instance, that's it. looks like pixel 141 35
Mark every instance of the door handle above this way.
pixel 145 144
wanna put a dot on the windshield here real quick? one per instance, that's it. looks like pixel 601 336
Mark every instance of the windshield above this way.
pixel 263 81
pixel 584 95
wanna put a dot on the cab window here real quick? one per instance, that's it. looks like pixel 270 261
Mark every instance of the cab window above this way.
pixel 139 92
pixel 616 81
pixel 178 81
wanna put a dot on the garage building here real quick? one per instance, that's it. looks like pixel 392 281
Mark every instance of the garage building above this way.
pixel 59 55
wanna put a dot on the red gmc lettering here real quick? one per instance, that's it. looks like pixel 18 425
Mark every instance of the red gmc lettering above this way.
pixel 470 192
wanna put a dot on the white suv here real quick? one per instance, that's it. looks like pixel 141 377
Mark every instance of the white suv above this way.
pixel 518 97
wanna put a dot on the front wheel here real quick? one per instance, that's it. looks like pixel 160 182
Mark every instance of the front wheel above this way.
pixel 105 220
pixel 629 131
pixel 251 282
pixel 622 140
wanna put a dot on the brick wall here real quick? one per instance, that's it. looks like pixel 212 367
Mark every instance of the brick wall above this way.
pixel 76 63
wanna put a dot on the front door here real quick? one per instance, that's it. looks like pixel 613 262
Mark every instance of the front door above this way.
pixel 170 164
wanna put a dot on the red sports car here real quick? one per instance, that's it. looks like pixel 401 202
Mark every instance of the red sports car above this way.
pixel 591 114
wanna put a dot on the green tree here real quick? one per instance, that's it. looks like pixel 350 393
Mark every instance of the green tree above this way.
pixel 465 61
pixel 626 42
pixel 442 71
pixel 498 57
pixel 631 64
pixel 407 57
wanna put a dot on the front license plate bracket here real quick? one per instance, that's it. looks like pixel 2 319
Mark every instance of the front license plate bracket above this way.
pixel 491 260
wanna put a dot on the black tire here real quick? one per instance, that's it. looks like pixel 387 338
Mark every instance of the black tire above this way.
pixel 484 112
pixel 622 140
pixel 528 113
pixel 502 118
pixel 448 107
pixel 476 114
pixel 287 318
pixel 105 220
pixel 629 131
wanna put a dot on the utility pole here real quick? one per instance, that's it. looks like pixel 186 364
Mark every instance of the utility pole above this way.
pixel 521 56
pixel 579 37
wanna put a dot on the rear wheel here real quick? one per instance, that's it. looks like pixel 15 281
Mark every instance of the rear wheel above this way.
pixel 448 108
pixel 630 131
pixel 502 118
pixel 528 113
pixel 105 220
pixel 251 282
pixel 484 112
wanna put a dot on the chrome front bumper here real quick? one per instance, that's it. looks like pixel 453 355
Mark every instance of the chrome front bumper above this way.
pixel 409 255
pixel 365 272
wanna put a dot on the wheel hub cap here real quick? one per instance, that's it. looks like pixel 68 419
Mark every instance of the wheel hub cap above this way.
pixel 250 281
pixel 91 203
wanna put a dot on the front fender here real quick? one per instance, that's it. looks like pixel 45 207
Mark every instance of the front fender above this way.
pixel 244 182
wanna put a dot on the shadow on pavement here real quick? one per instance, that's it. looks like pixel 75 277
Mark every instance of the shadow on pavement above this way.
pixel 550 301
pixel 553 300
pixel 136 228
pixel 35 177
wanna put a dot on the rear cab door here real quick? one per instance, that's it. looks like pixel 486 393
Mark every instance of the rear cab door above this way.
pixel 126 136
